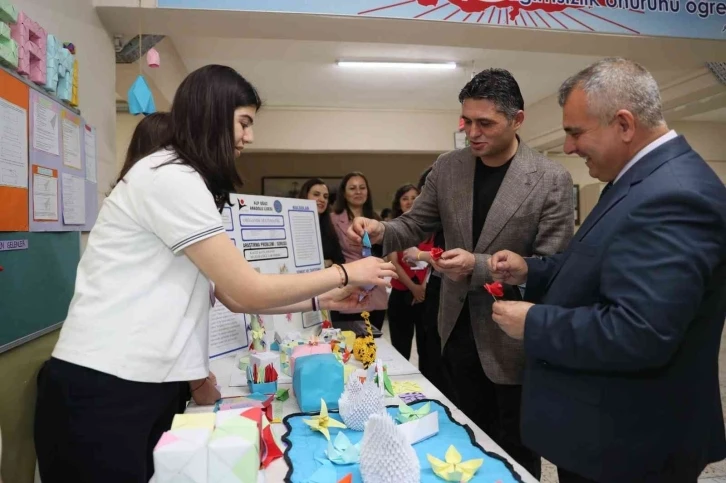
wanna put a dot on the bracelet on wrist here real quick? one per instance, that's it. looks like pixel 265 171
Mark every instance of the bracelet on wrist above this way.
pixel 200 385
pixel 345 272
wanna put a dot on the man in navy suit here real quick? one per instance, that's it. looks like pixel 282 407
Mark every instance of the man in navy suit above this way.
pixel 622 346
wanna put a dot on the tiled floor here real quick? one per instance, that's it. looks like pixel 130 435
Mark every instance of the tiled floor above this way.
pixel 715 473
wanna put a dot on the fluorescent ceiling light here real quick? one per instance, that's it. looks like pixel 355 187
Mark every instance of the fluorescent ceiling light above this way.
pixel 396 64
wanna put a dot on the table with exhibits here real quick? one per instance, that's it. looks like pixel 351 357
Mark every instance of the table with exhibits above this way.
pixel 398 368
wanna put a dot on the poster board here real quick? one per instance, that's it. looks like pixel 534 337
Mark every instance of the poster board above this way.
pixel 14 199
pixel 277 236
pixel 57 142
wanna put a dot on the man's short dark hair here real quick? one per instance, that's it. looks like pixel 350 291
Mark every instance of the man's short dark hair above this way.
pixel 498 86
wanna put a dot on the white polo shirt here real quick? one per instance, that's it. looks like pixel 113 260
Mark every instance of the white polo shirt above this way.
pixel 141 307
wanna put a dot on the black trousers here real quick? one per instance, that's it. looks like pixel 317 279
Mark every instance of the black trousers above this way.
pixel 495 408
pixel 377 317
pixel 677 468
pixel 92 427
pixel 430 360
pixel 403 320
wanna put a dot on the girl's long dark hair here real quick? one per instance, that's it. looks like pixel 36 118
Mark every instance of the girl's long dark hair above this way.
pixel 341 204
pixel 151 133
pixel 396 204
pixel 202 127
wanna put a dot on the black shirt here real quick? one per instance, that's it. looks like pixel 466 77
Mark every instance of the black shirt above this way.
pixel 487 181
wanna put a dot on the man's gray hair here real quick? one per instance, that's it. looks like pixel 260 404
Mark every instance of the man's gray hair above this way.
pixel 616 83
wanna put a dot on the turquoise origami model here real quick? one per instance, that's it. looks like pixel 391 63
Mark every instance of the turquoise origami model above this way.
pixel 140 99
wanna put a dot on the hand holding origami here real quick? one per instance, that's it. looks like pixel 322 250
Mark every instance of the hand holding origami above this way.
pixel 453 469
pixel 511 317
pixel 322 421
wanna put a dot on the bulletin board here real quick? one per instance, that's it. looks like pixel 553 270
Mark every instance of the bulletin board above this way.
pixel 36 283
pixel 13 198
pixel 63 193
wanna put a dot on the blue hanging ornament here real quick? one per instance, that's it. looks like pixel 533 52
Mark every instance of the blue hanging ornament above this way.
pixel 141 101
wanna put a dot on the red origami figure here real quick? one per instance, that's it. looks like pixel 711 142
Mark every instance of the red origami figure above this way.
pixel 436 253
pixel 495 289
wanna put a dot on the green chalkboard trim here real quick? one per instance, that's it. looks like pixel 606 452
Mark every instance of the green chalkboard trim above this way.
pixel 29 337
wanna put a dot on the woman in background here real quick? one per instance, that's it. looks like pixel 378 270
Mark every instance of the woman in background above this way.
pixel 408 293
pixel 354 199
pixel 316 189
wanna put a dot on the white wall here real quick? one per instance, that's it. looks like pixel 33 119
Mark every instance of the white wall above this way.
pixel 331 130
pixel 76 21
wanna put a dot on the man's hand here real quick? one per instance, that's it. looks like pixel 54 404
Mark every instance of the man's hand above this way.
pixel 508 267
pixel 361 225
pixel 457 264
pixel 510 317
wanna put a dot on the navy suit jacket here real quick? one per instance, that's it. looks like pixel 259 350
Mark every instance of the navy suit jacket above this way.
pixel 622 349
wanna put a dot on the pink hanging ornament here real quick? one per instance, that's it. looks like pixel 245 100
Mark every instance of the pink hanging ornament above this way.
pixel 152 58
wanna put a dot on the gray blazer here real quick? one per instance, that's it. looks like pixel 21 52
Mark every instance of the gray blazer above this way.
pixel 532 214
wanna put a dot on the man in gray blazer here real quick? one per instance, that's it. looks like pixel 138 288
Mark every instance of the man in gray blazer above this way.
pixel 495 194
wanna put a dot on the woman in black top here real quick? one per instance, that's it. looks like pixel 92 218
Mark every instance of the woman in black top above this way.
pixel 316 189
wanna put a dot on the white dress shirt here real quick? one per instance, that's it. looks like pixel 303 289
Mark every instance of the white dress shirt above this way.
pixel 641 154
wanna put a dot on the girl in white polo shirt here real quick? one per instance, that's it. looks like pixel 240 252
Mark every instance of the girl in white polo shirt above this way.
pixel 137 325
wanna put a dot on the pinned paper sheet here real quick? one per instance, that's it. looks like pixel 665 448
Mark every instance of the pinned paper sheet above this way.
pixel 71 140
pixel 89 139
pixel 46 126
pixel 45 194
pixel 74 200
pixel 13 145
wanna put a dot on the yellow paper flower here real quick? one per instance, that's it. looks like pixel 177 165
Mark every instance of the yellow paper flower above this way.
pixel 453 469
pixel 322 421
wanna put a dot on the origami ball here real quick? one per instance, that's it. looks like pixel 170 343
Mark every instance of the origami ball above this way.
pixel 152 58
pixel 140 99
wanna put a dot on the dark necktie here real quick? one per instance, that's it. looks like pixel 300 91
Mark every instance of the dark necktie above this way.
pixel 605 190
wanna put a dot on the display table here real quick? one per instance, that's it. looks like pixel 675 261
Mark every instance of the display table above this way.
pixel 399 370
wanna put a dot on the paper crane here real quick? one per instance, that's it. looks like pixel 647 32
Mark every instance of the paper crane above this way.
pixel 141 101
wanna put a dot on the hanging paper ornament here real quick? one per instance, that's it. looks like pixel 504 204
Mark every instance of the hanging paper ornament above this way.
pixel 141 101
pixel 152 58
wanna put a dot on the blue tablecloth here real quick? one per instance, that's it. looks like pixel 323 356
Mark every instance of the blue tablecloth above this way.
pixel 306 449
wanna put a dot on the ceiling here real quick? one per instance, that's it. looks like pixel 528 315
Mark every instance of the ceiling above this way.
pixel 304 74
pixel 718 115
pixel 298 69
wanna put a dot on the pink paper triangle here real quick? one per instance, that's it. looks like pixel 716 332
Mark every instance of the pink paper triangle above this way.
pixel 166 439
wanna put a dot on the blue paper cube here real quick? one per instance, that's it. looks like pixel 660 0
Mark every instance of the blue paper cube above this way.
pixel 316 377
